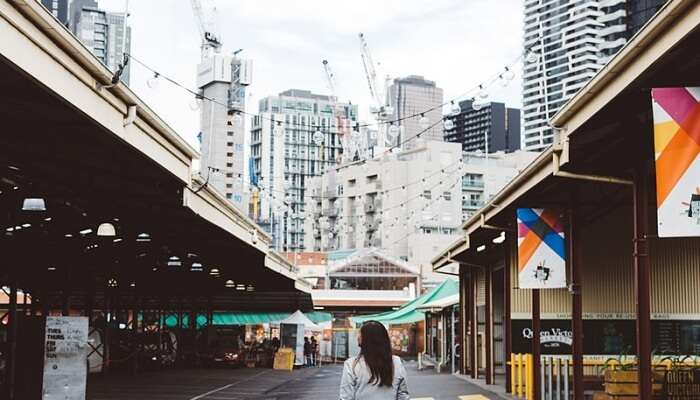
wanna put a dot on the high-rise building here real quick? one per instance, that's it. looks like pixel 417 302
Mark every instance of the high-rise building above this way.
pixel 294 138
pixel 104 33
pixel 407 205
pixel 489 128
pixel 486 174
pixel 567 42
pixel 59 9
pixel 223 126
pixel 412 96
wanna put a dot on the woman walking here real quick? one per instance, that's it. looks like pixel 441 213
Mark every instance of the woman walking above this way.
pixel 375 374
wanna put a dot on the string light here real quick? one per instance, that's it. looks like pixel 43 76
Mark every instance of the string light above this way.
pixel 153 81
pixel 423 122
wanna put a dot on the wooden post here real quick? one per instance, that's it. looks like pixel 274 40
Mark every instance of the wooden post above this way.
pixel 507 334
pixel 642 275
pixel 536 328
pixel 573 259
pixel 488 321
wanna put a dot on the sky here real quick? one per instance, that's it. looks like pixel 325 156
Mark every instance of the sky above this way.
pixel 459 44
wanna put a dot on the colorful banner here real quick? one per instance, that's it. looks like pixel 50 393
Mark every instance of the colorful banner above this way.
pixel 677 151
pixel 541 248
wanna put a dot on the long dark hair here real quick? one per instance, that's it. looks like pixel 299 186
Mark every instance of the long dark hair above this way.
pixel 376 351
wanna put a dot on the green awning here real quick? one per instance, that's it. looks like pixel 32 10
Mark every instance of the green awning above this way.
pixel 408 314
pixel 244 318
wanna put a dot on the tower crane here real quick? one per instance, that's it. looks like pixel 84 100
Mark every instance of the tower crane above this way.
pixel 205 23
pixel 341 120
pixel 381 109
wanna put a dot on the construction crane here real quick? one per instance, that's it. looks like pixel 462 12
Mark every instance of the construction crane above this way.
pixel 341 120
pixel 381 110
pixel 205 23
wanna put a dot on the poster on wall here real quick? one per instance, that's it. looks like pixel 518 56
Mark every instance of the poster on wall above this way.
pixel 541 248
pixel 65 352
pixel 677 157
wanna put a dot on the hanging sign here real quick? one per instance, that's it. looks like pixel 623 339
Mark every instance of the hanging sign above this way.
pixel 541 248
pixel 677 154
pixel 65 358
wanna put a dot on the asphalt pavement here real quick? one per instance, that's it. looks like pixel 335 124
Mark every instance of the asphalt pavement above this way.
pixel 265 384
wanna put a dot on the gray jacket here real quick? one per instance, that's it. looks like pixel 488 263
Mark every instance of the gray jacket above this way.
pixel 355 385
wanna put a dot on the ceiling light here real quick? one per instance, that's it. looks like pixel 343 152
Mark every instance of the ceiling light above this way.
pixel 47 219
pixel 240 286
pixel 68 235
pixel 197 267
pixel 86 231
pixel 481 248
pixel 230 284
pixel 51 268
pixel 214 272
pixel 174 261
pixel 143 237
pixel 10 229
pixel 106 229
pixel 26 225
pixel 117 240
pixel 500 238
pixel 33 204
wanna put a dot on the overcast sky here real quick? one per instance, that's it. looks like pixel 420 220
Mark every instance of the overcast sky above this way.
pixel 457 43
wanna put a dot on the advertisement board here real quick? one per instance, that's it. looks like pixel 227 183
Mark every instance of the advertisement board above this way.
pixel 676 113
pixel 541 248
pixel 65 353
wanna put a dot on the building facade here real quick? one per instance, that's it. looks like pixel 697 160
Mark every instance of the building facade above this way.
pixel 223 126
pixel 106 34
pixel 59 9
pixel 485 175
pixel 405 205
pixel 294 138
pixel 412 96
pixel 567 42
pixel 490 128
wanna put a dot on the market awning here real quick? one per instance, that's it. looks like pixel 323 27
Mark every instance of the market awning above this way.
pixel 440 304
pixel 409 313
pixel 247 318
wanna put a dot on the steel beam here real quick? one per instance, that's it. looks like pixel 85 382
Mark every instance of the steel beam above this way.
pixel 536 328
pixel 488 321
pixel 575 268
pixel 510 246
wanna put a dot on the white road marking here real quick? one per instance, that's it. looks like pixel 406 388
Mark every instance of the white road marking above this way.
pixel 229 385
pixel 473 397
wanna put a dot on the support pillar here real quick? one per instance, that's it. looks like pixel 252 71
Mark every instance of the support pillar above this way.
pixel 575 267
pixel 463 318
pixel 507 334
pixel 11 368
pixel 536 328
pixel 473 339
pixel 488 321
pixel 642 275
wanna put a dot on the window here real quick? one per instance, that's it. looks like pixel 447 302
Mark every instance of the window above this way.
pixel 229 133
pixel 229 144
pixel 229 154
pixel 447 196
pixel 229 165
pixel 427 194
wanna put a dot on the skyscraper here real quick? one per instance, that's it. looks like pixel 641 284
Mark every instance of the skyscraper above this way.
pixel 104 33
pixel 567 42
pixel 490 128
pixel 223 126
pixel 413 96
pixel 294 138
pixel 59 9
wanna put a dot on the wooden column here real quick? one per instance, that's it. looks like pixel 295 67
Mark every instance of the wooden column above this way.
pixel 536 328
pixel 573 259
pixel 488 321
pixel 642 280
pixel 507 334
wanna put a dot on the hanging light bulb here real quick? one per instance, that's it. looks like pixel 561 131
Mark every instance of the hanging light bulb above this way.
pixel 483 93
pixel 532 56
pixel 318 138
pixel 237 119
pixel 153 81
pixel 477 105
pixel 278 130
pixel 456 109
pixel 508 74
pixel 195 103
pixel 393 131
pixel 423 122
pixel 449 124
